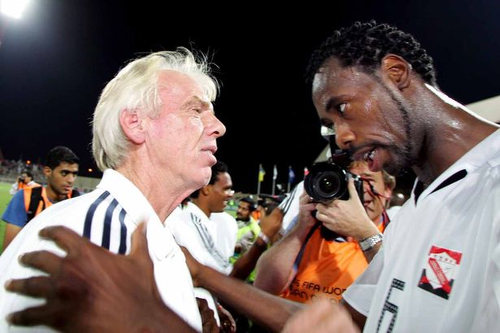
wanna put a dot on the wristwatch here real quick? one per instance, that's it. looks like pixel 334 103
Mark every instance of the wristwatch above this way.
pixel 368 243
pixel 264 238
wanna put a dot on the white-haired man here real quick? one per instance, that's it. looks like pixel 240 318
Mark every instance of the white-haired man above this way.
pixel 154 136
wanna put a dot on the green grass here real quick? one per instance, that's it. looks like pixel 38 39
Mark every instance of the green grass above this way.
pixel 4 200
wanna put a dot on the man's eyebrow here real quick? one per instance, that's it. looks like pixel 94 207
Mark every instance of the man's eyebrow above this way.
pixel 332 102
pixel 195 100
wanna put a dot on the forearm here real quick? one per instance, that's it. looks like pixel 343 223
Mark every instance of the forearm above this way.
pixel 11 231
pixel 369 254
pixel 275 266
pixel 357 317
pixel 246 263
pixel 162 319
pixel 263 308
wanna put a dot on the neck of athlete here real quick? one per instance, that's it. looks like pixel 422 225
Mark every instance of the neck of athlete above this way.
pixel 447 131
pixel 202 205
pixel 54 196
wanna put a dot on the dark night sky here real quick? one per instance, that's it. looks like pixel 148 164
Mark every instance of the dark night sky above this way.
pixel 56 60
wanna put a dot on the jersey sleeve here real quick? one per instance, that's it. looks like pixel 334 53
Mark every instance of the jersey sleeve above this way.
pixel 290 208
pixel 360 294
pixel 16 212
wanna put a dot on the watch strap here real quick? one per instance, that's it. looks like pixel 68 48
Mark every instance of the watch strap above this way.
pixel 370 242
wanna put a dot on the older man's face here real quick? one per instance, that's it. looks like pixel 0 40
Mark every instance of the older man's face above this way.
pixel 182 138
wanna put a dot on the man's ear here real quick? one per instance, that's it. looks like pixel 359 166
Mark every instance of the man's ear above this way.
pixel 396 69
pixel 132 126
pixel 388 195
pixel 47 171
pixel 205 190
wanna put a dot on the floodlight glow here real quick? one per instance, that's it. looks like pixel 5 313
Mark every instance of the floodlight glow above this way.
pixel 13 8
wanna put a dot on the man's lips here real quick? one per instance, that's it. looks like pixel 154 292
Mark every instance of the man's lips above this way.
pixel 211 148
pixel 364 154
pixel 370 155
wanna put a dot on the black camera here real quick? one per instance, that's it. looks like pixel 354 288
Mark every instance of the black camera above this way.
pixel 327 181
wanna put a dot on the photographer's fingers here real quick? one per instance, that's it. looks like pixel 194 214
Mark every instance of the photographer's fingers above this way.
pixel 353 193
pixel 305 202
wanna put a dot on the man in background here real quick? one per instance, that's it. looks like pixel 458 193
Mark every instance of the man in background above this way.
pixel 60 170
pixel 248 227
pixel 24 180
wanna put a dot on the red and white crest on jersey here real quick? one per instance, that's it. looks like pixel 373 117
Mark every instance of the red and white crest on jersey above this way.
pixel 439 272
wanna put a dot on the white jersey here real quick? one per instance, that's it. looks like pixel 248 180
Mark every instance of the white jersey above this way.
pixel 210 241
pixel 192 229
pixel 227 230
pixel 439 268
pixel 290 208
pixel 107 216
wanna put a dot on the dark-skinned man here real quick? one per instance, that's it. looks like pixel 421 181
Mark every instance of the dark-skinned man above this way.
pixel 438 270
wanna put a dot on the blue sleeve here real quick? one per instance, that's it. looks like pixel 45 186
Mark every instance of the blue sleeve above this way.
pixel 16 212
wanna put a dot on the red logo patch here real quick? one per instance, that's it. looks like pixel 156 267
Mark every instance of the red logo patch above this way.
pixel 439 272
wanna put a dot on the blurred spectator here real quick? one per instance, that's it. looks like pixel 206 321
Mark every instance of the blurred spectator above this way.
pixel 24 180
pixel 60 170
pixel 248 227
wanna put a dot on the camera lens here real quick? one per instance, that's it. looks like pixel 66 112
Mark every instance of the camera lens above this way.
pixel 328 184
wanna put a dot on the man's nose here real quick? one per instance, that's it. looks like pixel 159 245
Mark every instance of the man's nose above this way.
pixel 343 135
pixel 215 126
pixel 71 178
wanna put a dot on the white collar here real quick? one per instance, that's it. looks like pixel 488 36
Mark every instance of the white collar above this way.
pixel 484 152
pixel 129 196
pixel 197 210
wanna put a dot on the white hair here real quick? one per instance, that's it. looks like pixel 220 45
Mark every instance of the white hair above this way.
pixel 134 88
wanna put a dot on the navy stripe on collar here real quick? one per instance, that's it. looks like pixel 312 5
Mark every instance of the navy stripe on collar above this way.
pixel 419 188
pixel 90 214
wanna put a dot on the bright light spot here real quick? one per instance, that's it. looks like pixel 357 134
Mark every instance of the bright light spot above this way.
pixel 13 8
pixel 28 162
pixel 90 170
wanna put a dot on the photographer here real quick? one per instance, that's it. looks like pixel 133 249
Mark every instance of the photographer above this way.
pixel 24 180
pixel 307 262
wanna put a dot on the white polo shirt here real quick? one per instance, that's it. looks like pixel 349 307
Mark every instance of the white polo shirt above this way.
pixel 210 241
pixel 227 230
pixel 192 229
pixel 439 269
pixel 107 216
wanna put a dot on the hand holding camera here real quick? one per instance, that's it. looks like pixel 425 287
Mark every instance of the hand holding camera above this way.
pixel 347 217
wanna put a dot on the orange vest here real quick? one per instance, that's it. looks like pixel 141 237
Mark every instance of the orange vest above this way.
pixel 327 268
pixel 43 203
